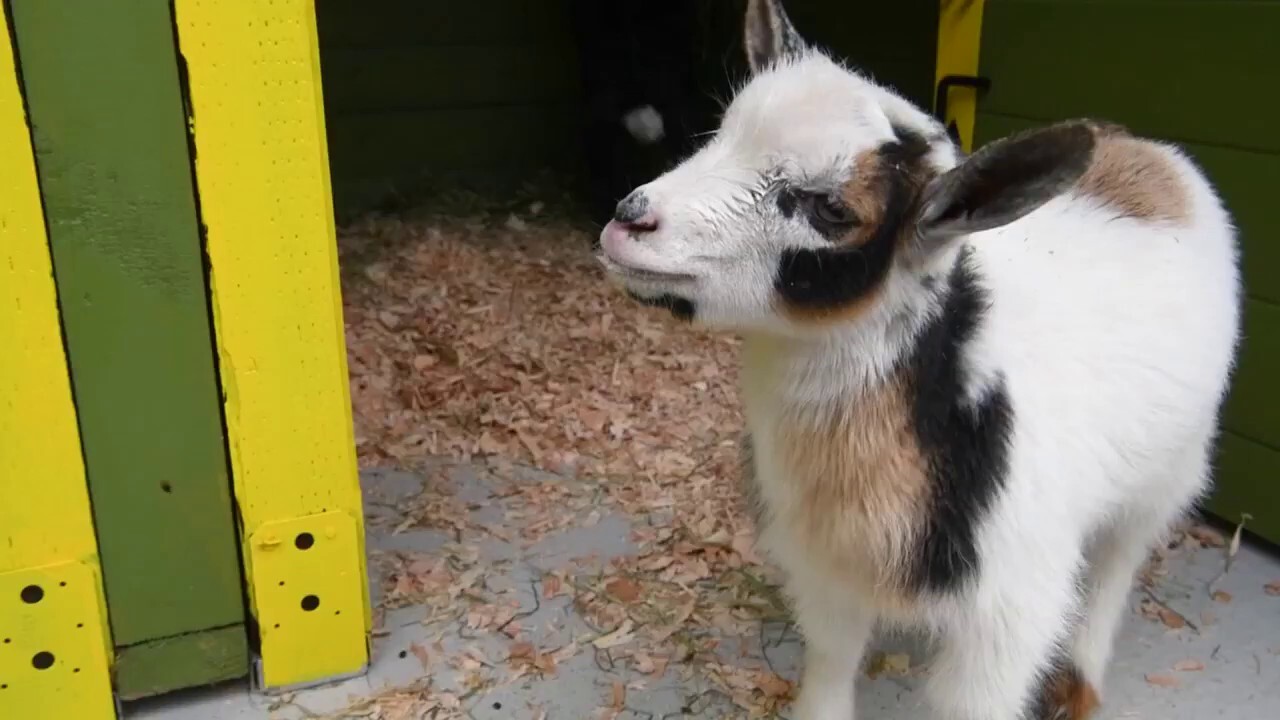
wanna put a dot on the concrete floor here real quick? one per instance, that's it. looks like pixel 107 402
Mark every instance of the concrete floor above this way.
pixel 1237 642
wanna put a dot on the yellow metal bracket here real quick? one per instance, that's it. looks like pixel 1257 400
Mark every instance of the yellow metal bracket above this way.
pixel 959 41
pixel 304 588
pixel 53 662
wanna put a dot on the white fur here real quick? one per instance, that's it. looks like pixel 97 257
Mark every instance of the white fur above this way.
pixel 1114 338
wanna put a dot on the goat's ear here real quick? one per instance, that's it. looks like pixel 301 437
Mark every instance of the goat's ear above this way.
pixel 769 35
pixel 1005 181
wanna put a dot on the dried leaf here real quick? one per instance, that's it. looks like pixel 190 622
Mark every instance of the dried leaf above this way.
pixel 888 664
pixel 1189 666
pixel 1207 536
pixel 551 586
pixel 1172 618
pixel 1273 588
pixel 774 686
pixel 421 653
pixel 1163 680
pixel 1222 596
pixel 521 651
pixel 622 635
pixel 623 590
pixel 1235 537
pixel 618 695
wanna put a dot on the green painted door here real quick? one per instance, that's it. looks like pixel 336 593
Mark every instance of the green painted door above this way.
pixel 1198 73
pixel 102 85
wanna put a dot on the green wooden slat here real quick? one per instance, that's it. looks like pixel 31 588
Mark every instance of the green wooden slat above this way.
pixel 1253 410
pixel 432 77
pixel 202 658
pixel 1197 71
pixel 111 146
pixel 1246 482
pixel 388 23
pixel 1246 181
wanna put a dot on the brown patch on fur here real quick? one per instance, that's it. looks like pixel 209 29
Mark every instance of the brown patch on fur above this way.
pixel 867 194
pixel 860 487
pixel 1135 177
pixel 1066 695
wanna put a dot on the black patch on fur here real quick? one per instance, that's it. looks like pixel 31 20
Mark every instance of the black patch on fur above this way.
pixel 788 202
pixel 965 445
pixel 682 308
pixel 829 277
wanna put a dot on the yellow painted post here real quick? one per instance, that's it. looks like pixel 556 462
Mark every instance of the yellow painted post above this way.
pixel 262 177
pixel 55 647
pixel 959 40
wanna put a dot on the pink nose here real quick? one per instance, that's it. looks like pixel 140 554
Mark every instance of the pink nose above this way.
pixel 615 237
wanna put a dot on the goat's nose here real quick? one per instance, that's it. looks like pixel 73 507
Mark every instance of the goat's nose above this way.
pixel 635 214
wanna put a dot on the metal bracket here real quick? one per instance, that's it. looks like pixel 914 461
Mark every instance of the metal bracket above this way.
pixel 307 582
pixel 54 652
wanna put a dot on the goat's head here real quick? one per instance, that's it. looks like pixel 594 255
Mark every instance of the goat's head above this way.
pixel 821 197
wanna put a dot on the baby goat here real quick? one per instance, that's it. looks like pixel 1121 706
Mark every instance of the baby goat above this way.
pixel 978 389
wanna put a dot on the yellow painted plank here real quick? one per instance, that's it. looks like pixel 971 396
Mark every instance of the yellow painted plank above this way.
pixel 54 642
pixel 959 41
pixel 54 655
pixel 262 174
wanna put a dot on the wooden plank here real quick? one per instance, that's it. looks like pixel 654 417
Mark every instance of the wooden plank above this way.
pixel 1252 410
pixel 389 23
pixel 167 664
pixel 1139 62
pixel 103 91
pixel 396 78
pixel 1245 181
pixel 46 523
pixel 262 174
pixel 1246 483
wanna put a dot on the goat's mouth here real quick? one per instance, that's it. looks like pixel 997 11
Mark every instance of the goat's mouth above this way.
pixel 642 274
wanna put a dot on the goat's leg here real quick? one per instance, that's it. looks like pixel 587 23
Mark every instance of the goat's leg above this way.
pixel 836 636
pixel 997 648
pixel 1119 552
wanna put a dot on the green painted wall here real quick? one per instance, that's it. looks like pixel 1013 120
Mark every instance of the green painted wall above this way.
pixel 109 129
pixel 488 90
pixel 1194 72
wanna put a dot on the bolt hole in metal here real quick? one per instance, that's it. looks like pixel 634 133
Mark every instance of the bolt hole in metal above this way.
pixel 310 602
pixel 304 541
pixel 42 660
pixel 32 594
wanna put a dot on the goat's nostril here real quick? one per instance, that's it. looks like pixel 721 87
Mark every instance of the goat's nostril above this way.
pixel 634 212
pixel 647 223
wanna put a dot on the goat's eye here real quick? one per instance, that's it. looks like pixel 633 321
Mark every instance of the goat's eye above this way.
pixel 831 211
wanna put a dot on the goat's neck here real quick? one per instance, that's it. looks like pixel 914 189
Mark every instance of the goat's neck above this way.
pixel 798 376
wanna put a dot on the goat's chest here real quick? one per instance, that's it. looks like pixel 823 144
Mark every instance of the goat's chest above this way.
pixel 843 487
